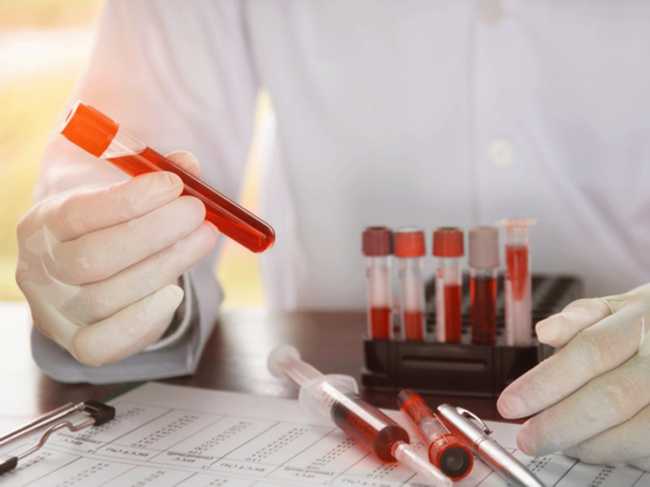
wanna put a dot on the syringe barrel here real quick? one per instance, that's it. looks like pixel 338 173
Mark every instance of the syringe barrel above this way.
pixel 410 249
pixel 365 423
pixel 102 137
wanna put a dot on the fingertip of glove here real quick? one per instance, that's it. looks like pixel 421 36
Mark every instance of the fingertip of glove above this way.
pixel 174 181
pixel 176 291
pixel 168 297
pixel 510 406
pixel 213 228
pixel 187 161
pixel 548 332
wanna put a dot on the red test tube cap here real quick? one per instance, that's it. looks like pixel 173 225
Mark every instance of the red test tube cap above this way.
pixel 452 456
pixel 377 241
pixel 409 242
pixel 89 129
pixel 448 242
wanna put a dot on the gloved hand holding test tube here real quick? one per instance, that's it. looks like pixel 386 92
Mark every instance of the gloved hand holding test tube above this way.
pixel 335 396
pixel 102 137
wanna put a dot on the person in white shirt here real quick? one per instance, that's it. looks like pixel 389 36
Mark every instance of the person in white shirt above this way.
pixel 434 113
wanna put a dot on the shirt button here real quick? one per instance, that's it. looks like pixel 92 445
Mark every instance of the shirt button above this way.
pixel 500 152
pixel 491 12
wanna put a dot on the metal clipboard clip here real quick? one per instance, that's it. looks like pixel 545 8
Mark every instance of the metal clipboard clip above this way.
pixel 98 413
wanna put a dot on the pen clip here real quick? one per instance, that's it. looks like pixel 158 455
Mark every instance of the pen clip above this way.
pixel 471 416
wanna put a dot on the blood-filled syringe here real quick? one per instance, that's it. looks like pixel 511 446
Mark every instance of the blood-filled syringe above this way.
pixel 377 246
pixel 517 283
pixel 102 137
pixel 335 396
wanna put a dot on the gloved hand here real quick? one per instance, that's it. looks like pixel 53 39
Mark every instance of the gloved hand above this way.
pixel 593 396
pixel 99 267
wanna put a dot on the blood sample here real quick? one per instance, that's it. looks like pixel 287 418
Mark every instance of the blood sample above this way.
pixel 447 451
pixel 99 135
pixel 517 284
pixel 335 396
pixel 377 245
pixel 483 262
pixel 448 249
pixel 409 249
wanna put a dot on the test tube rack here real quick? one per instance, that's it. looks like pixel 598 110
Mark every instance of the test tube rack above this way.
pixel 464 369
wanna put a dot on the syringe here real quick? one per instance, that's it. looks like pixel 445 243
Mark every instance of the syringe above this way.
pixel 335 396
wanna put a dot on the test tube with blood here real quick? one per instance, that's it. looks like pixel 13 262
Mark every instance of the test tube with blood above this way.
pixel 335 396
pixel 102 137
pixel 517 284
pixel 483 263
pixel 448 249
pixel 410 250
pixel 446 450
pixel 377 244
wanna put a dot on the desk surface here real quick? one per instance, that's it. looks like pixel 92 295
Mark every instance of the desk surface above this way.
pixel 234 360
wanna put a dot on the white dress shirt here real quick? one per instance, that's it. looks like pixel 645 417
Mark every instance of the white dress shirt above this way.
pixel 416 112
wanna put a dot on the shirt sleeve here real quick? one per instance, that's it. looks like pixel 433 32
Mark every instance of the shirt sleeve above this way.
pixel 176 75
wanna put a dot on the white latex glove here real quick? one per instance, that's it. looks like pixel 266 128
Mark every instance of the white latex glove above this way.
pixel 594 394
pixel 98 267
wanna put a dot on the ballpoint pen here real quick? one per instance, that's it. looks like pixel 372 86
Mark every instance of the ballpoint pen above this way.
pixel 459 421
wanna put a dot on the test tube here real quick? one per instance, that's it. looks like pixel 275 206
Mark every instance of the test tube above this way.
pixel 483 263
pixel 448 249
pixel 102 137
pixel 410 250
pixel 446 450
pixel 377 245
pixel 517 284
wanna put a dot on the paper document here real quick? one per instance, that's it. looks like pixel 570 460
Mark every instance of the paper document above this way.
pixel 186 437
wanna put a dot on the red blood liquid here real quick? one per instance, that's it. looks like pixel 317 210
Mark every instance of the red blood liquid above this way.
pixel 517 269
pixel 368 425
pixel 230 218
pixel 380 323
pixel 483 293
pixel 413 326
pixel 453 317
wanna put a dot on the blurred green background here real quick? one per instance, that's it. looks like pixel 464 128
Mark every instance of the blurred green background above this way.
pixel 43 47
